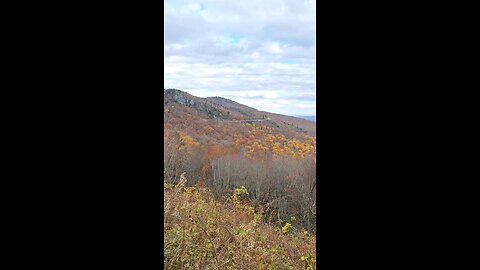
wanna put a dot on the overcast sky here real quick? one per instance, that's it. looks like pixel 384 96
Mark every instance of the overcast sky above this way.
pixel 260 53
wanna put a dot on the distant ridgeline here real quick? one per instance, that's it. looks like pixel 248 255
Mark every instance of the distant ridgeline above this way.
pixel 312 118
pixel 225 109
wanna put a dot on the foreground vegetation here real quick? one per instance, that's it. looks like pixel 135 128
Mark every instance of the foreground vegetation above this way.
pixel 202 233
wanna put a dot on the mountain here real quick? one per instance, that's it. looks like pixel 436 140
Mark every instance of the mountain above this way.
pixel 231 148
pixel 222 109
pixel 312 118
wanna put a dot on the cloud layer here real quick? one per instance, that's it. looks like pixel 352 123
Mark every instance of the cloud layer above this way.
pixel 258 53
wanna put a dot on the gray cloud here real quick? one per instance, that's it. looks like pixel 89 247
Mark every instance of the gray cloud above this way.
pixel 259 53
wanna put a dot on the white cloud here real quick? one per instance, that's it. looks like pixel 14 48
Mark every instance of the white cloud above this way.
pixel 304 106
pixel 259 53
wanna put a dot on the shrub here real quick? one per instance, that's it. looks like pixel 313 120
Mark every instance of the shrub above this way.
pixel 202 233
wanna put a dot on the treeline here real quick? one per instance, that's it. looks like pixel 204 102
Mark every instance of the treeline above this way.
pixel 282 188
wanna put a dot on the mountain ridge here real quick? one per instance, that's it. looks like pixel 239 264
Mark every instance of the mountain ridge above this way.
pixel 312 118
pixel 221 108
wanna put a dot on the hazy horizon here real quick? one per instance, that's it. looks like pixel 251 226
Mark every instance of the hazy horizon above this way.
pixel 257 53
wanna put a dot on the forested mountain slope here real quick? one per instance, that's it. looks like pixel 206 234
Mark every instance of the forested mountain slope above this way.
pixel 223 145
pixel 224 109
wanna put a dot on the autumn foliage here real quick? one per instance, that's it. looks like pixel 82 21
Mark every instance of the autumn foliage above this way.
pixel 251 189
pixel 277 166
pixel 201 233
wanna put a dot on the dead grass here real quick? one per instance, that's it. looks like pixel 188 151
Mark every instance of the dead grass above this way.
pixel 201 233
